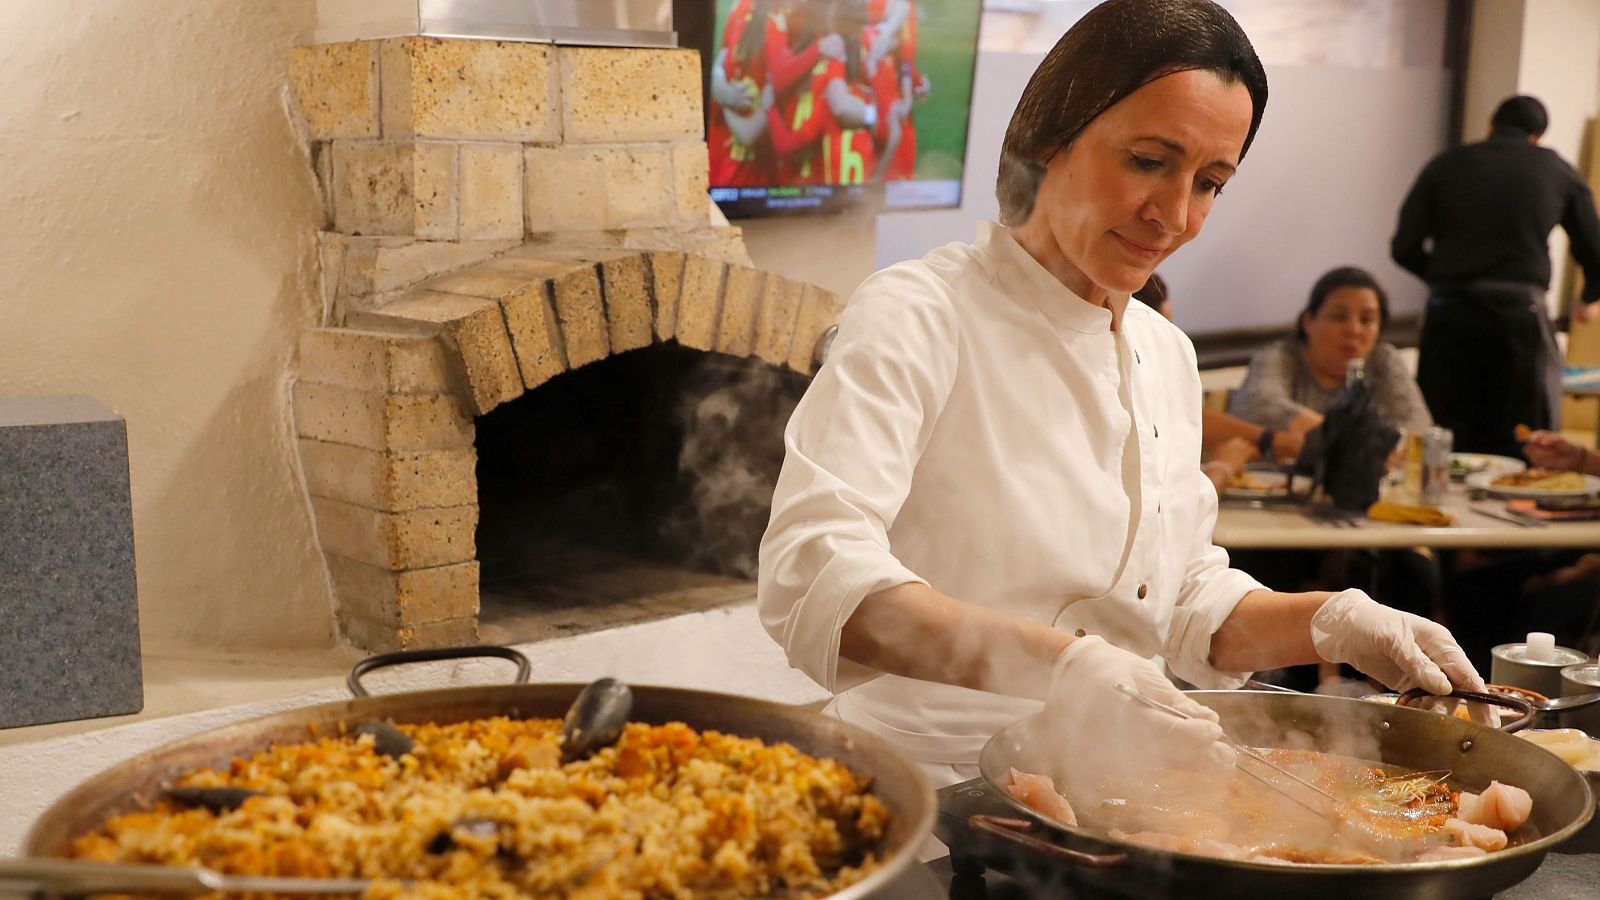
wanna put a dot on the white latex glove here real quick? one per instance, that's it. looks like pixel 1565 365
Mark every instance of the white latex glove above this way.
pixel 1092 719
pixel 1400 649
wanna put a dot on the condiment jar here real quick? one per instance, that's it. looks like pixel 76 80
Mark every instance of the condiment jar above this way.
pixel 1581 679
pixel 1535 664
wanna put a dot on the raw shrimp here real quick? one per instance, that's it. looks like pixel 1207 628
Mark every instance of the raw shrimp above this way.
pixel 1469 835
pixel 1038 793
pixel 1501 806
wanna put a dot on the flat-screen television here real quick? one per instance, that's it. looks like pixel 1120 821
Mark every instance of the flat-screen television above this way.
pixel 813 105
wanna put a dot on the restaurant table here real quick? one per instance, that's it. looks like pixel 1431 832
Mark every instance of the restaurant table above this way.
pixel 1280 525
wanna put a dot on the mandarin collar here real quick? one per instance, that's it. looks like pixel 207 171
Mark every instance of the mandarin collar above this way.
pixel 1025 280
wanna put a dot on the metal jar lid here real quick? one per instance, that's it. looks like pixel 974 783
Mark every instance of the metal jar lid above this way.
pixel 1587 674
pixel 1518 653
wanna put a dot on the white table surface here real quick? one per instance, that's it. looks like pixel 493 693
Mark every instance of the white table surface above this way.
pixel 1283 526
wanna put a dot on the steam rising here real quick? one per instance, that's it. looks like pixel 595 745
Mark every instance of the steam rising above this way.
pixel 732 417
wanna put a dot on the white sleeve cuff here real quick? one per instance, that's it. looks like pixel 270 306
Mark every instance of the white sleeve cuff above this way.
pixel 1188 644
pixel 811 634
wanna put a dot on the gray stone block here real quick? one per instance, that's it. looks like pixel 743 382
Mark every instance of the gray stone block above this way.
pixel 69 613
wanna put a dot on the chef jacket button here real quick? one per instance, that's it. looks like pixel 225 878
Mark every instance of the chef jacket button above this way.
pixel 1144 590
pixel 1080 633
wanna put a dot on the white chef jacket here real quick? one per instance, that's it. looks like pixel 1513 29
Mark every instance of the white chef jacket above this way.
pixel 980 428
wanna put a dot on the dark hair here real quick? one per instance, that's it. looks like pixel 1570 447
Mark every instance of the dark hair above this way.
pixel 1115 49
pixel 1520 113
pixel 1154 292
pixel 1344 276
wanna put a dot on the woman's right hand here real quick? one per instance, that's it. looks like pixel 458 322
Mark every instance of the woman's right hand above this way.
pixel 1549 450
pixel 1096 725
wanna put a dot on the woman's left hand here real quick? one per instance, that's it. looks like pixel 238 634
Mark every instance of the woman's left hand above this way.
pixel 1400 649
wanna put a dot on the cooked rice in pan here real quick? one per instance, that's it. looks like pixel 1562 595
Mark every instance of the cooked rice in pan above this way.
pixel 484 809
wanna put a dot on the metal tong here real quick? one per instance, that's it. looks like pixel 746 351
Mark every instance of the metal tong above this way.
pixel 77 877
pixel 1242 750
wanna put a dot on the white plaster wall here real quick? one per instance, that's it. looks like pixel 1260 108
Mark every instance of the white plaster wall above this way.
pixel 160 256
pixel 1559 61
pixel 722 650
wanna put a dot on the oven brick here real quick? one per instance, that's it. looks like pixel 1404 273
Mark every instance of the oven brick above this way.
pixel 474 328
pixel 469 89
pixel 413 539
pixel 625 289
pixel 818 310
pixel 574 276
pixel 335 88
pixel 435 181
pixel 577 187
pixel 691 174
pixel 381 421
pixel 630 307
pixel 373 187
pixel 378 638
pixel 404 265
pixel 775 321
pixel 491 191
pixel 700 302
pixel 532 321
pixel 630 94
pixel 405 598
pixel 666 276
pixel 375 361
pixel 741 302
pixel 390 481
pixel 725 243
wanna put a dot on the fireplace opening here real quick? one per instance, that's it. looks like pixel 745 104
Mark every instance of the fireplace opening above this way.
pixel 632 488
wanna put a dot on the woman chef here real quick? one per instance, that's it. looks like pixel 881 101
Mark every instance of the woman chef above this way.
pixel 992 492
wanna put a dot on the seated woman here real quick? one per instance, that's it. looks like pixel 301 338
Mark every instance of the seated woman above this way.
pixel 1291 383
pixel 1228 443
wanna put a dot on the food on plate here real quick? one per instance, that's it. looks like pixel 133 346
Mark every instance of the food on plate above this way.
pixel 1499 806
pixel 1539 479
pixel 485 808
pixel 1259 483
pixel 1038 793
pixel 1570 744
pixel 1383 814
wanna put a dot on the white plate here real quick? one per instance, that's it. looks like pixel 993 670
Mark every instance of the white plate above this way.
pixel 1263 484
pixel 1485 462
pixel 1483 481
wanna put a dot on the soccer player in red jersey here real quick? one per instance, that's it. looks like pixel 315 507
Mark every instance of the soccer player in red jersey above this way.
pixel 755 53
pixel 824 136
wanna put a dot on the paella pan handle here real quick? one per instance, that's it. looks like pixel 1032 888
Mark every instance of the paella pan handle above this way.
pixel 1526 710
pixel 1009 829
pixel 401 657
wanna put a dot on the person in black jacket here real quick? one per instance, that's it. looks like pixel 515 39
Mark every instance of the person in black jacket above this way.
pixel 1476 227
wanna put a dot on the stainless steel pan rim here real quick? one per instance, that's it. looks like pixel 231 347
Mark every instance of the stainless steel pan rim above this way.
pixel 896 780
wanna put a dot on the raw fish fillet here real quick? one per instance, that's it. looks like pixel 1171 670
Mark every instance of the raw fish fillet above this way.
pixel 1038 793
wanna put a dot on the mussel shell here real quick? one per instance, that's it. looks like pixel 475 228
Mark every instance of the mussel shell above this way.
pixel 216 799
pixel 387 739
pixel 445 841
pixel 595 719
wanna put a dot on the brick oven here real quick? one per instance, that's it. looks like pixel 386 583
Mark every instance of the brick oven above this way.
pixel 517 226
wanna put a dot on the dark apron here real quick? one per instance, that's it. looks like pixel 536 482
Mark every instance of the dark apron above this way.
pixel 1488 362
